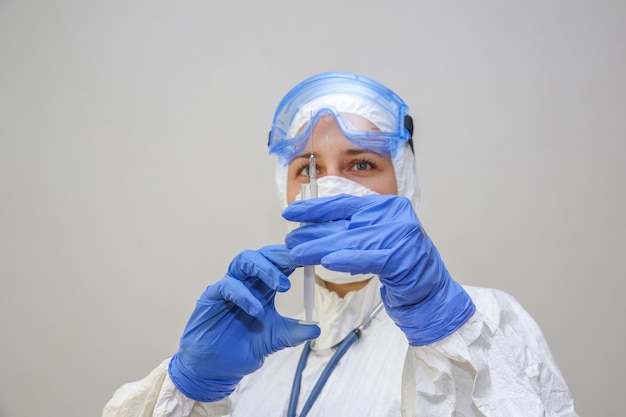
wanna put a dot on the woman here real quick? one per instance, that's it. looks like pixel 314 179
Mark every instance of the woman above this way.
pixel 435 349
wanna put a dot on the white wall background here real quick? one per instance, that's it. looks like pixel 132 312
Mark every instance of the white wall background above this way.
pixel 133 167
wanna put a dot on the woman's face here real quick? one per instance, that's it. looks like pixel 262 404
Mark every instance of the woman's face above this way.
pixel 335 155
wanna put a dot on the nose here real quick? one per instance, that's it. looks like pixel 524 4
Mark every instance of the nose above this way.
pixel 333 170
pixel 334 174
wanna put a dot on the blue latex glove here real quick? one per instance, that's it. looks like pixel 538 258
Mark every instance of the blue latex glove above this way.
pixel 235 326
pixel 381 234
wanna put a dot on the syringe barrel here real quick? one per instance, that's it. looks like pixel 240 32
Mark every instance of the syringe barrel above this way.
pixel 309 293
pixel 309 190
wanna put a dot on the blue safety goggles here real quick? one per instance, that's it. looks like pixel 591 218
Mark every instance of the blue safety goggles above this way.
pixel 341 95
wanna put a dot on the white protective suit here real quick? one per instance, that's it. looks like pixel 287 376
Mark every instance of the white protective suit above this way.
pixel 496 365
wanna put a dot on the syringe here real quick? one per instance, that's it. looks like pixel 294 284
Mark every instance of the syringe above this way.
pixel 309 190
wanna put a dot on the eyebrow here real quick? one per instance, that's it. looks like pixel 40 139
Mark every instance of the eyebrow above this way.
pixel 349 152
pixel 359 151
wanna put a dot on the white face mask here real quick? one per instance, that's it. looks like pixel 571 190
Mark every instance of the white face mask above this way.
pixel 327 187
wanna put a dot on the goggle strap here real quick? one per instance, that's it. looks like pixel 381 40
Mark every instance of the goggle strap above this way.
pixel 408 124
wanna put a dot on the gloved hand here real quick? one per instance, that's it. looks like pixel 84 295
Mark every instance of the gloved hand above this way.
pixel 235 326
pixel 381 234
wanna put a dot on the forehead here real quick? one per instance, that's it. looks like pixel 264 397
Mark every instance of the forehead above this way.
pixel 354 121
pixel 328 143
pixel 327 134
pixel 331 137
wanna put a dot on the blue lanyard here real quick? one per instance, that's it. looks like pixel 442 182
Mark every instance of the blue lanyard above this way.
pixel 342 348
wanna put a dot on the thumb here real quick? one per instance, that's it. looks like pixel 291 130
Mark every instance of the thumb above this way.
pixel 293 333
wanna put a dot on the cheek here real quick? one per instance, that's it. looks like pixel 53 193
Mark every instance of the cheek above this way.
pixel 293 188
pixel 293 182
pixel 385 184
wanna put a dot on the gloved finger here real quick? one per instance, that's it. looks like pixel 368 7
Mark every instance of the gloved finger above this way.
pixel 314 231
pixel 357 261
pixel 326 209
pixel 311 252
pixel 251 263
pixel 235 291
pixel 369 238
pixel 279 256
pixel 294 333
